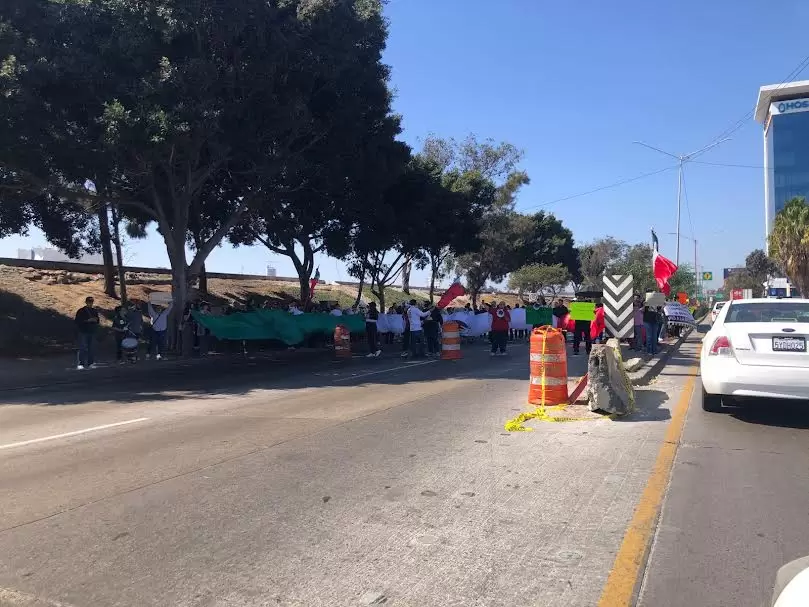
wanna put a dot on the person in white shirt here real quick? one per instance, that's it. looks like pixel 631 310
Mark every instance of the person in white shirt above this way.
pixel 294 309
pixel 415 316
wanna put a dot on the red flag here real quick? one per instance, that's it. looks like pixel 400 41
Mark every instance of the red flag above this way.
pixel 313 283
pixel 456 290
pixel 662 267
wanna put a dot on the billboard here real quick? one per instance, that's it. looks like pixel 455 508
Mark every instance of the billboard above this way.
pixel 728 271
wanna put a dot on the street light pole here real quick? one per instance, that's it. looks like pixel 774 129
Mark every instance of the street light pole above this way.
pixel 681 160
pixel 696 273
pixel 679 207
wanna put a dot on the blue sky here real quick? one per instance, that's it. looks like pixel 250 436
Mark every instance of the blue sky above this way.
pixel 573 85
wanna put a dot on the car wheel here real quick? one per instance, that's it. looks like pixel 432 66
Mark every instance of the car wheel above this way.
pixel 711 402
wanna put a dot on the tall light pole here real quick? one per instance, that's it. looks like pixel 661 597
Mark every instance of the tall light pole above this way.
pixel 681 160
pixel 696 268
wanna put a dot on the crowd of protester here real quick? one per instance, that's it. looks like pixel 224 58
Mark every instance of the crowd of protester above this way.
pixel 142 329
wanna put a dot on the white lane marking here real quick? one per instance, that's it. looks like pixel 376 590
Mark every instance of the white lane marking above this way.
pixel 74 433
pixel 391 369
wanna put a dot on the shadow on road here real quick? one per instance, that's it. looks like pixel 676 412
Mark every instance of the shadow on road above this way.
pixel 782 414
pixel 650 407
pixel 233 380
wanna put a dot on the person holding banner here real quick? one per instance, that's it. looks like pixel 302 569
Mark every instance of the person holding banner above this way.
pixel 415 316
pixel 583 313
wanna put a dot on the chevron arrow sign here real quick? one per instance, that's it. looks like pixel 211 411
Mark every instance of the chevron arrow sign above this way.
pixel 618 310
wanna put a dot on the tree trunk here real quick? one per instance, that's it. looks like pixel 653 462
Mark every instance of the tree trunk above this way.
pixel 359 290
pixel 116 240
pixel 179 291
pixel 474 299
pixel 435 268
pixel 380 296
pixel 406 277
pixel 106 250
pixel 303 280
pixel 203 280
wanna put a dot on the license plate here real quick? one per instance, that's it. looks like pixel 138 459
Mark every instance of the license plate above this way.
pixel 789 344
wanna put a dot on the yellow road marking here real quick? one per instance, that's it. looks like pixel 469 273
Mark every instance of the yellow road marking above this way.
pixel 621 584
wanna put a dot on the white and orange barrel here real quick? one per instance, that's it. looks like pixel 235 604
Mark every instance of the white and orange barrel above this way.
pixel 451 341
pixel 548 365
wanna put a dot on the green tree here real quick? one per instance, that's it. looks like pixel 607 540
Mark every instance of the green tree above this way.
pixel 539 278
pixel 684 280
pixel 759 267
pixel 546 241
pixel 597 256
pixel 637 261
pixel 789 242
pixel 175 104
pixel 742 279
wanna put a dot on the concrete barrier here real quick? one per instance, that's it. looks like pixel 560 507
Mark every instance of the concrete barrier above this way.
pixel 608 386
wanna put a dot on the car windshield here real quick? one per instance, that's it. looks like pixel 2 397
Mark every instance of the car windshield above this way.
pixel 769 311
pixel 719 305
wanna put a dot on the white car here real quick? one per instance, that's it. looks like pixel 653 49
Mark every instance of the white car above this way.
pixel 716 309
pixel 756 348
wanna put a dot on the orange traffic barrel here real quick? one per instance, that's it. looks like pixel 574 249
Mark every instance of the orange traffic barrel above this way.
pixel 342 342
pixel 451 341
pixel 548 367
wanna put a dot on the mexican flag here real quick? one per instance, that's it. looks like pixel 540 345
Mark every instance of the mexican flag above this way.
pixel 662 267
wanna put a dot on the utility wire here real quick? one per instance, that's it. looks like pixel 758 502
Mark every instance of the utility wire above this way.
pixel 600 189
pixel 725 164
pixel 746 117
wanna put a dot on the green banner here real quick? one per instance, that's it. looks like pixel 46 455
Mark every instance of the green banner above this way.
pixel 276 324
pixel 538 316
pixel 582 310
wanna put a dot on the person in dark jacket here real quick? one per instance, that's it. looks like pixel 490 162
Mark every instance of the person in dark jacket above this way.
pixel 559 312
pixel 87 324
pixel 432 328
pixel 371 319
pixel 650 323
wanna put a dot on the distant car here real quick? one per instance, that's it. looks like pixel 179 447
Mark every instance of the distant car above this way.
pixel 756 348
pixel 715 312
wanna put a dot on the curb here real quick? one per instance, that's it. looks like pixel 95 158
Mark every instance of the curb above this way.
pixel 649 372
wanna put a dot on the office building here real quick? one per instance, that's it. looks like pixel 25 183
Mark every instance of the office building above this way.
pixel 783 110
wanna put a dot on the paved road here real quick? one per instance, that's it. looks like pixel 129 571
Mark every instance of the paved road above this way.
pixel 381 482
pixel 736 508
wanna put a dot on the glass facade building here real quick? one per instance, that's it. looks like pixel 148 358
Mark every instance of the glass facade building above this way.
pixel 789 135
pixel 783 110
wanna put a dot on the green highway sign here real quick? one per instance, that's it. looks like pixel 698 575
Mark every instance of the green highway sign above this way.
pixel 719 296
pixel 707 276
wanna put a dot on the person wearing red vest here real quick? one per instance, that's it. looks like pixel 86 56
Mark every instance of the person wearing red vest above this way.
pixel 501 321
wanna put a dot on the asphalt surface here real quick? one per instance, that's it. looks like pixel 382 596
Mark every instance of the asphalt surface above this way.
pixel 737 506
pixel 377 482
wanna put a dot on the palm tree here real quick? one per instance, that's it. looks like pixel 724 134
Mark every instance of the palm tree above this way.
pixel 789 242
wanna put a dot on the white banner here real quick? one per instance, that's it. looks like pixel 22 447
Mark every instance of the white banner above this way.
pixel 475 324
